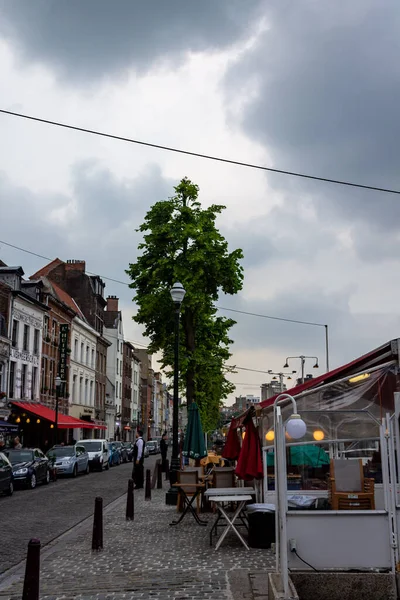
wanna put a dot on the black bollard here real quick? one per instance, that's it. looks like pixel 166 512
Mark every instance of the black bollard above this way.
pixel 166 469
pixel 159 476
pixel 147 492
pixel 97 538
pixel 32 571
pixel 130 512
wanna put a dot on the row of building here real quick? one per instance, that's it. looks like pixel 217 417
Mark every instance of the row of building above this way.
pixel 57 327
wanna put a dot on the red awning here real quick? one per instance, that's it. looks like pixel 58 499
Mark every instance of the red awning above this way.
pixel 64 421
pixel 376 356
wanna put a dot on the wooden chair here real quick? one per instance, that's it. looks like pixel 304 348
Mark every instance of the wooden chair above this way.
pixel 224 477
pixel 348 488
pixel 189 475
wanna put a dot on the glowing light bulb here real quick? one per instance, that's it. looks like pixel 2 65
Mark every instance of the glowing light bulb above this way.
pixel 270 436
pixel 318 435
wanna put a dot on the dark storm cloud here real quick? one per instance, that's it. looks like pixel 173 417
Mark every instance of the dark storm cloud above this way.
pixel 95 38
pixel 328 79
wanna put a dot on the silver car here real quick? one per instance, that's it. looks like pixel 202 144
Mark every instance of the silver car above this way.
pixel 69 460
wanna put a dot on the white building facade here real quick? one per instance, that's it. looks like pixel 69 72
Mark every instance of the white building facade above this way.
pixel 114 334
pixel 82 376
pixel 136 374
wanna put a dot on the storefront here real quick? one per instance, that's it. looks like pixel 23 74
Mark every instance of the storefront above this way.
pixel 36 425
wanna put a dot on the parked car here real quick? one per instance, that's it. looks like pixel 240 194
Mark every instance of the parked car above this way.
pixel 30 466
pixel 122 451
pixel 114 455
pixel 98 453
pixel 6 475
pixel 69 460
pixel 146 451
pixel 129 450
pixel 153 447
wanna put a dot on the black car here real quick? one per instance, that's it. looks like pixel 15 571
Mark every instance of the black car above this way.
pixel 30 466
pixel 6 475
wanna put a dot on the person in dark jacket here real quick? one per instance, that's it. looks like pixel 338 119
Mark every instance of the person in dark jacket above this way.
pixel 163 450
pixel 138 460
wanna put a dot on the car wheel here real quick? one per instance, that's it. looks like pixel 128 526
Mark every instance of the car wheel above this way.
pixel 10 489
pixel 75 471
pixel 32 481
pixel 47 478
pixel 87 471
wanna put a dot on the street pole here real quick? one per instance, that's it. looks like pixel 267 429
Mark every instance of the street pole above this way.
pixel 303 362
pixel 58 385
pixel 177 294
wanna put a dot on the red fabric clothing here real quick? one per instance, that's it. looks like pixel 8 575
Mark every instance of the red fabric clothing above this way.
pixel 249 465
pixel 231 449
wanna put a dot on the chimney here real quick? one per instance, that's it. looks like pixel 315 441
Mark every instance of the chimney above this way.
pixel 112 304
pixel 75 265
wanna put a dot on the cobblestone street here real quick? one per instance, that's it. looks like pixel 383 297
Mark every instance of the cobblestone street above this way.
pixel 145 559
pixel 48 511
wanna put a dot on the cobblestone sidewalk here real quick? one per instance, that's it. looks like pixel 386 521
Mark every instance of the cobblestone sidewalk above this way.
pixel 145 559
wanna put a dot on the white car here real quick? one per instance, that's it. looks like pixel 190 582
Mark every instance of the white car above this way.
pixel 98 453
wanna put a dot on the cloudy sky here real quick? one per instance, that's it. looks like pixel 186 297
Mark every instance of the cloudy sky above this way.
pixel 302 85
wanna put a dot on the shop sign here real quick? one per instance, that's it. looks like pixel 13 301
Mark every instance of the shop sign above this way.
pixel 63 352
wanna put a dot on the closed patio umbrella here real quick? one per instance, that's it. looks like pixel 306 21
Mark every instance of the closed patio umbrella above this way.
pixel 231 449
pixel 194 446
pixel 249 465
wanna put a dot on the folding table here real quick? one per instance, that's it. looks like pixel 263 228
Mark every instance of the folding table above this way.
pixel 241 500
pixel 236 491
pixel 188 504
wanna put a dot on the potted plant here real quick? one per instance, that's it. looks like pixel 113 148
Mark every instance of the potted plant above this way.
pixel 45 389
pixel 3 395
pixel 47 339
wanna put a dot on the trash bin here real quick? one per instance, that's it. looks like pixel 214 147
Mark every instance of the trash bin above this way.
pixel 261 519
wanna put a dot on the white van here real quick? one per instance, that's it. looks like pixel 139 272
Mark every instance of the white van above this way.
pixel 98 453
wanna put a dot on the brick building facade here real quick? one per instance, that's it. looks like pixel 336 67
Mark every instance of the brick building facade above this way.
pixel 127 381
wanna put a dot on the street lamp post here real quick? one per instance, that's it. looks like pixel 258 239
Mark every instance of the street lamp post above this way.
pixel 281 377
pixel 58 386
pixel 296 429
pixel 177 295
pixel 303 362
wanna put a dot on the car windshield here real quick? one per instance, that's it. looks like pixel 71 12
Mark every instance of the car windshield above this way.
pixel 16 456
pixel 152 443
pixel 63 451
pixel 91 445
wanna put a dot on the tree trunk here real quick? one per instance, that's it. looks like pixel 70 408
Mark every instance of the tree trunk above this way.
pixel 190 347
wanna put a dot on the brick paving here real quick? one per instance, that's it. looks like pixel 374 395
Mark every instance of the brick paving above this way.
pixel 49 510
pixel 146 559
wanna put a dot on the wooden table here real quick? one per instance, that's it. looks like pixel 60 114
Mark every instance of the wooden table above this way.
pixel 241 500
pixel 188 504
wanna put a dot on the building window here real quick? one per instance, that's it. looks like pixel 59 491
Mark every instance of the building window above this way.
pixel 81 390
pixel 91 400
pixel 51 383
pixel 46 326
pixel 11 390
pixel 26 338
pixel 120 390
pixel 34 383
pixel 86 391
pixel 23 380
pixel 14 336
pixel 87 355
pixel 82 352
pixel 117 366
pixel 116 390
pixel 36 341
pixel 54 330
pixel 92 358
pixel 76 349
pixel 74 399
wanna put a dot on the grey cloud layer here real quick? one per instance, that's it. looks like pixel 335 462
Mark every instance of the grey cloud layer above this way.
pixel 328 81
pixel 95 38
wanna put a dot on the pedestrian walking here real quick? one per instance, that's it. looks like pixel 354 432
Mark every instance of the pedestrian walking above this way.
pixel 163 450
pixel 17 443
pixel 138 460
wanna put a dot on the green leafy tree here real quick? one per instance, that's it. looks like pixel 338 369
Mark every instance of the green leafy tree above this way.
pixel 182 243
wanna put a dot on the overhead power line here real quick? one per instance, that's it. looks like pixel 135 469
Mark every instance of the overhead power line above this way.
pixel 200 155
pixel 242 312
